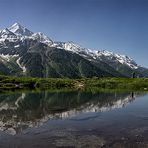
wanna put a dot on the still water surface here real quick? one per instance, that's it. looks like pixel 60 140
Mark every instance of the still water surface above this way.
pixel 73 119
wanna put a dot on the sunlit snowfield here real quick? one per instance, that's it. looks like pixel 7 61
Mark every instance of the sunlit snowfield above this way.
pixel 73 119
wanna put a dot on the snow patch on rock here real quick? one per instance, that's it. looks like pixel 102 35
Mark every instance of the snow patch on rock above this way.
pixel 21 66
pixel 7 57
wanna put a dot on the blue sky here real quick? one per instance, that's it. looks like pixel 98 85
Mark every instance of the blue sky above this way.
pixel 117 25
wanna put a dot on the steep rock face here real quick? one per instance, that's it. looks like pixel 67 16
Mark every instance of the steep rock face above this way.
pixel 40 60
pixel 121 63
pixel 19 30
pixel 24 53
pixel 42 38
pixel 118 65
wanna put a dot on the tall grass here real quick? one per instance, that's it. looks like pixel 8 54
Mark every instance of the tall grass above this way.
pixel 11 83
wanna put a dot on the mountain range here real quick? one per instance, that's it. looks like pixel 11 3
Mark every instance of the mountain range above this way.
pixel 25 53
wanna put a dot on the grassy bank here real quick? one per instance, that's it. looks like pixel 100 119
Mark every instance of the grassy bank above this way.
pixel 118 83
pixel 13 83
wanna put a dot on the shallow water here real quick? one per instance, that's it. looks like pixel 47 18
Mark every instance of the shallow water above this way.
pixel 73 119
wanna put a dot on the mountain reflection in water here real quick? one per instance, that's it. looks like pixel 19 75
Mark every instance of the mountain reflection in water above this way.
pixel 19 111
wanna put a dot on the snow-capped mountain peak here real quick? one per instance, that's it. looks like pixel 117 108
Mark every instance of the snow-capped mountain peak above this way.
pixel 123 59
pixel 42 38
pixel 6 34
pixel 20 30
pixel 70 46
pixel 23 33
pixel 91 54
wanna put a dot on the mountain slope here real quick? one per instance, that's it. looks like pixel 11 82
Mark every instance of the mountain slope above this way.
pixel 25 53
pixel 118 65
pixel 40 60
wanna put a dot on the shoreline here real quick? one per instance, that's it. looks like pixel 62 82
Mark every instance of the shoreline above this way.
pixel 8 83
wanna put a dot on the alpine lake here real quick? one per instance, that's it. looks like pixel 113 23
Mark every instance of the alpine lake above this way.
pixel 73 119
